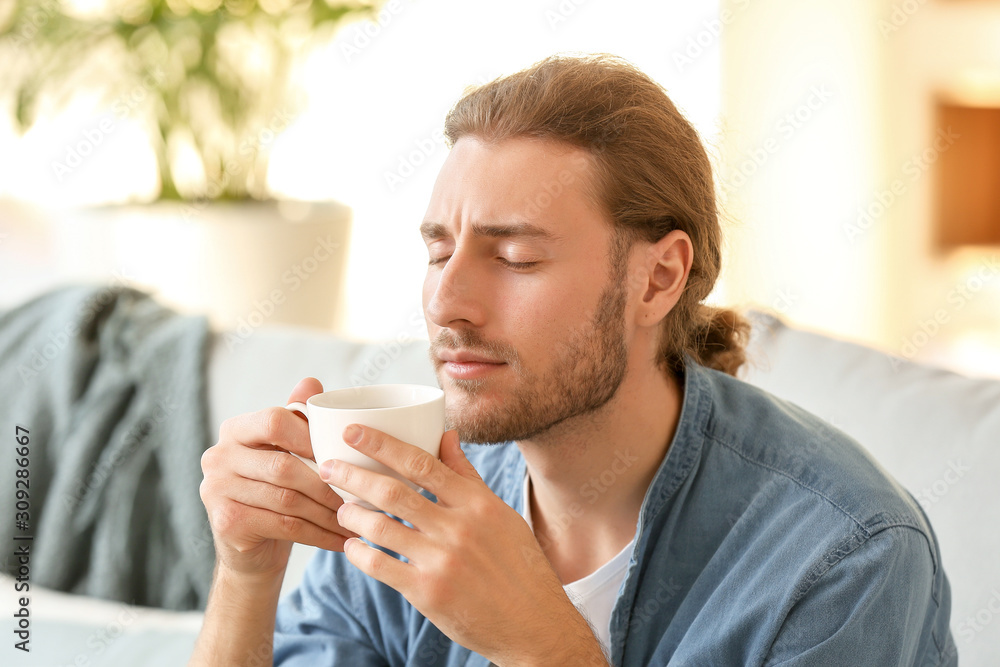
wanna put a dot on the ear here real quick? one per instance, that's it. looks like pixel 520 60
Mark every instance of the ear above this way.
pixel 666 265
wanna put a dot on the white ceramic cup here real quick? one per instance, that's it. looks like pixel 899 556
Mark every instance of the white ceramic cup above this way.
pixel 412 413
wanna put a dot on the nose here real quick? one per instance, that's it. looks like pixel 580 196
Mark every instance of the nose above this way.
pixel 453 295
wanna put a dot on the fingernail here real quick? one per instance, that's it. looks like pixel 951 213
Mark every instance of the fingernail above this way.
pixel 352 434
pixel 326 469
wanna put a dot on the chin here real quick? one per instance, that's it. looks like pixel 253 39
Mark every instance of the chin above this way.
pixel 475 423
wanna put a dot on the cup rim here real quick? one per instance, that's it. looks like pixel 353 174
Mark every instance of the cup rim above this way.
pixel 430 394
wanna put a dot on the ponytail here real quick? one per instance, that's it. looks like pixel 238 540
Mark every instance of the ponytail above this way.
pixel 719 339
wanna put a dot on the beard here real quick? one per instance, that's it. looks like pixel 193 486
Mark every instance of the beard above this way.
pixel 588 366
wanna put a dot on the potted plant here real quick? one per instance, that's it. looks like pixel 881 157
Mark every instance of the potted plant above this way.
pixel 206 78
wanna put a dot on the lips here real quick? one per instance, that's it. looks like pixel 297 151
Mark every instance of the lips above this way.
pixel 463 365
pixel 462 357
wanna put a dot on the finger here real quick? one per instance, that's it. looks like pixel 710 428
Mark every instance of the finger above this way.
pixel 269 428
pixel 284 501
pixel 281 470
pixel 229 467
pixel 379 565
pixel 306 388
pixel 410 461
pixel 380 529
pixel 254 524
pixel 453 457
pixel 386 493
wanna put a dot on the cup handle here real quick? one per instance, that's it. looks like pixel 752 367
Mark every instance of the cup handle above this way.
pixel 301 409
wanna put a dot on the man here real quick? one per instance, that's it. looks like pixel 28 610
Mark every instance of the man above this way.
pixel 643 507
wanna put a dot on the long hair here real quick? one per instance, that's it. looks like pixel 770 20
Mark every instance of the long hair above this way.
pixel 653 176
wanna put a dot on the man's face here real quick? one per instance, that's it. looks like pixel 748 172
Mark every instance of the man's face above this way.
pixel 525 307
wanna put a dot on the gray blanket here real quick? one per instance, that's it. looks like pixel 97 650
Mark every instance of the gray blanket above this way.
pixel 110 385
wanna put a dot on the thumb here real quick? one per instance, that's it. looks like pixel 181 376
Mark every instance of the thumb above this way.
pixel 453 456
pixel 304 389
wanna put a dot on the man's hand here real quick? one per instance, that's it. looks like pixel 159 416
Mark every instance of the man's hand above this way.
pixel 259 498
pixel 474 569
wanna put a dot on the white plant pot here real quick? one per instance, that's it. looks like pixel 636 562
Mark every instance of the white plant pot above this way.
pixel 242 264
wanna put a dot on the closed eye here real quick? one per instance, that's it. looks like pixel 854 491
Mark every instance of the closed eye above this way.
pixel 516 265
pixel 434 261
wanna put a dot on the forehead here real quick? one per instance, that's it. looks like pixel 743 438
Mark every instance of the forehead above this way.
pixel 538 181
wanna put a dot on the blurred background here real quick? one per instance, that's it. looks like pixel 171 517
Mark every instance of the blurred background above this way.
pixel 269 161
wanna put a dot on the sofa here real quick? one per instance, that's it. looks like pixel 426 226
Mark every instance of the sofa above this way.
pixel 936 431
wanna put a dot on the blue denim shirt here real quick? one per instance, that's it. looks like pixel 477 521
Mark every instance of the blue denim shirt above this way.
pixel 767 537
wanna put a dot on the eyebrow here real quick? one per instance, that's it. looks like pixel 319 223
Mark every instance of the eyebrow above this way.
pixel 436 230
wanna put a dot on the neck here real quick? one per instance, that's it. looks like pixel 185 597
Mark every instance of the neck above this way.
pixel 589 475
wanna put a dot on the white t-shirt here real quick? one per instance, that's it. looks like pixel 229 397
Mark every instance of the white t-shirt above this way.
pixel 594 595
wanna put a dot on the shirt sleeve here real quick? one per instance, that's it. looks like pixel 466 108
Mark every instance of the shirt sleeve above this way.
pixel 877 606
pixel 338 616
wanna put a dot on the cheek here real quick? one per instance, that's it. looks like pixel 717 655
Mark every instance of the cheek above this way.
pixel 430 284
pixel 427 293
pixel 539 317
